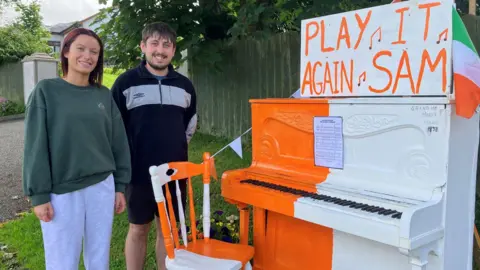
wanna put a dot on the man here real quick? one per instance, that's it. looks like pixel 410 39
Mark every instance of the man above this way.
pixel 158 106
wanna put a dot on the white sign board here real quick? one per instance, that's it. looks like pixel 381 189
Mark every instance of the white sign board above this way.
pixel 401 49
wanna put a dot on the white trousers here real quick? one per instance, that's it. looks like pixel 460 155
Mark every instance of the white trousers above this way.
pixel 87 215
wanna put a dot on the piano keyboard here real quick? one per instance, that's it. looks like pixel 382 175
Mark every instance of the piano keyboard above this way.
pixel 360 206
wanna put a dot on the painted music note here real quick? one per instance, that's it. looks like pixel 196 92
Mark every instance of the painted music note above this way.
pixel 379 30
pixel 362 76
pixel 444 33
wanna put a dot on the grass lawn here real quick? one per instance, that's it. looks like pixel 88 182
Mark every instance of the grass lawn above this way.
pixel 23 236
pixel 109 79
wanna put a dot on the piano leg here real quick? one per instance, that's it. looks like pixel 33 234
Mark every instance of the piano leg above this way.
pixel 244 222
pixel 244 214
pixel 419 256
pixel 418 264
pixel 259 233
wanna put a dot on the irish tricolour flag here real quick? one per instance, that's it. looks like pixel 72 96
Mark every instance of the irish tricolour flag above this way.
pixel 466 69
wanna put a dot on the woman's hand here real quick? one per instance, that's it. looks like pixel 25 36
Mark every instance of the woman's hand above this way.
pixel 44 212
pixel 119 202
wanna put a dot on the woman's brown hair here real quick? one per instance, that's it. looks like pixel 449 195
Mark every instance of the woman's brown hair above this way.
pixel 96 76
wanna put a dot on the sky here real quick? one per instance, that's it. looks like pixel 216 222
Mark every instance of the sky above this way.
pixel 59 11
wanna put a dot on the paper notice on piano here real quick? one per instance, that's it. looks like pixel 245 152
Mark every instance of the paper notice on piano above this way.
pixel 328 132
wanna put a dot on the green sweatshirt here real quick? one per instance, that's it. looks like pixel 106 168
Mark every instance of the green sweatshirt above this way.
pixel 74 138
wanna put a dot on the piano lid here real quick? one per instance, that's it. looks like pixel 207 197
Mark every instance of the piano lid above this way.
pixel 391 150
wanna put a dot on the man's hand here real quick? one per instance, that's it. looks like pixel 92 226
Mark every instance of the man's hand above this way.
pixel 44 212
pixel 119 202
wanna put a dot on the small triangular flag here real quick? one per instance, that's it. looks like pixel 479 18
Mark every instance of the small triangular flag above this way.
pixel 296 94
pixel 236 145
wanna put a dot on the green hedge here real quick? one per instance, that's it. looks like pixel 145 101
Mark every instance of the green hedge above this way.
pixel 8 107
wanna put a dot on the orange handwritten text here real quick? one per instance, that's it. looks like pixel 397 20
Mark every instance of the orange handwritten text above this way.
pixel 343 33
pixel 322 38
pixel 317 29
pixel 362 25
pixel 309 37
pixel 384 69
pixel 317 82
pixel 442 56
pixel 427 16
pixel 404 71
pixel 400 29
pixel 379 31
pixel 443 34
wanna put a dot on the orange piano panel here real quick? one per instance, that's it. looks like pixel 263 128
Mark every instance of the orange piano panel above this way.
pixel 282 158
pixel 283 141
pixel 296 244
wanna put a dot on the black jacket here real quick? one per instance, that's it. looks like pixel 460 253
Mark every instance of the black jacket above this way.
pixel 160 117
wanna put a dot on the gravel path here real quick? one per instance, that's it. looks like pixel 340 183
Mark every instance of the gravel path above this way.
pixel 12 200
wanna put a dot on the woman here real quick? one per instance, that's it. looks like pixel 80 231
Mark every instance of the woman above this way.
pixel 76 157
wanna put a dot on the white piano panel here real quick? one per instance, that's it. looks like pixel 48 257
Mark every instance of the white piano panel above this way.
pixel 356 253
pixel 460 193
pixel 393 150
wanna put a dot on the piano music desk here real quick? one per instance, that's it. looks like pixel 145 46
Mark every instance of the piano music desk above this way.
pixel 402 200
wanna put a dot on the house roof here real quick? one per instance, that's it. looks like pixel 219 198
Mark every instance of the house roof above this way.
pixel 60 28
pixel 89 17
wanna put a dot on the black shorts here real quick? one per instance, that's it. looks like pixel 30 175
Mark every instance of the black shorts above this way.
pixel 141 204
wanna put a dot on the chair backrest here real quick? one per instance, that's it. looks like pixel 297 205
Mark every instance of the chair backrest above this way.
pixel 174 171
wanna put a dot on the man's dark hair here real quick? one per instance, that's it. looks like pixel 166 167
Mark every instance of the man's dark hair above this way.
pixel 161 29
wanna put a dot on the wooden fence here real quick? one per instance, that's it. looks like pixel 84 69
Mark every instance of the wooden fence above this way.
pixel 268 68
pixel 11 81
pixel 473 26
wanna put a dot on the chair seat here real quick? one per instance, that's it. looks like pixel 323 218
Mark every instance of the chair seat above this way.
pixel 186 260
pixel 222 250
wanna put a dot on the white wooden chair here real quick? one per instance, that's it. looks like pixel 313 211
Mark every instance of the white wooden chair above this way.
pixel 207 253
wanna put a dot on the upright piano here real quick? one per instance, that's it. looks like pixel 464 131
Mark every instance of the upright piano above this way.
pixel 350 177
pixel 404 199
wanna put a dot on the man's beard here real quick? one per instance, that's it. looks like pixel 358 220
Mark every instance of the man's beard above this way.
pixel 156 67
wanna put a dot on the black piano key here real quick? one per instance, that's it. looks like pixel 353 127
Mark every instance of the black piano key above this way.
pixel 351 204
pixel 331 199
pixel 359 205
pixel 297 192
pixel 354 205
pixel 383 211
pixel 343 202
pixel 336 200
pixel 397 215
pixel 340 202
pixel 388 212
pixel 377 209
pixel 367 207
pixel 347 203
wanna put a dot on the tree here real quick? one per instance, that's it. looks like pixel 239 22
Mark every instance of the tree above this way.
pixel 207 27
pixel 462 7
pixel 4 3
pixel 24 36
